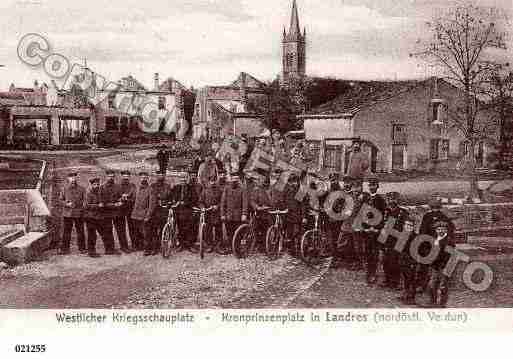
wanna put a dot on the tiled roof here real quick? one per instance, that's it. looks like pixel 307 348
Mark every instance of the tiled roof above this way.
pixel 170 84
pixel 251 81
pixel 365 93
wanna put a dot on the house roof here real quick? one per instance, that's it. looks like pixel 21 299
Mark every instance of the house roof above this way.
pixel 222 107
pixel 170 84
pixel 251 81
pixel 128 81
pixel 367 93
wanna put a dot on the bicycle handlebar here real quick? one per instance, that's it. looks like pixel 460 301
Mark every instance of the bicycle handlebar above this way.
pixel 203 210
pixel 167 205
pixel 277 211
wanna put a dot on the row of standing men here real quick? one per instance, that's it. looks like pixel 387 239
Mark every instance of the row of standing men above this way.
pixel 120 206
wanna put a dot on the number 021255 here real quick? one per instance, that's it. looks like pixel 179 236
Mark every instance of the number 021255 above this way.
pixel 30 348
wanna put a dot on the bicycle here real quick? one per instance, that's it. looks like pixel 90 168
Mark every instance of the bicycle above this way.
pixel 169 239
pixel 201 229
pixel 275 237
pixel 315 244
pixel 245 237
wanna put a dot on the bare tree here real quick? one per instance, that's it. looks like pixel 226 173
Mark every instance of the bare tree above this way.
pixel 497 89
pixel 461 45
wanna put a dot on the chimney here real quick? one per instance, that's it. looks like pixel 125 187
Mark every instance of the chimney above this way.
pixel 156 81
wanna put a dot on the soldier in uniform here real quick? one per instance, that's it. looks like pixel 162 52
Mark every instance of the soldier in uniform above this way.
pixel 439 282
pixel 409 265
pixel 359 239
pixel 140 213
pixel 391 265
pixel 162 158
pixel 432 216
pixel 211 197
pixel 234 205
pixel 346 254
pixel 93 217
pixel 186 193
pixel 260 200
pixel 156 216
pixel 376 201
pixel 296 217
pixel 128 192
pixel 332 224
pixel 72 198
pixel 111 197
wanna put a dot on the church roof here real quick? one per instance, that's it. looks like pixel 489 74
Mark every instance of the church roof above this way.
pixel 294 33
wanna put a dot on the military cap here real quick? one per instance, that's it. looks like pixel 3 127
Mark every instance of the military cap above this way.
pixel 435 202
pixel 94 180
pixel 72 174
pixel 410 219
pixel 127 173
pixel 143 173
pixel 110 172
pixel 439 224
pixel 393 196
pixel 357 182
pixel 293 177
pixel 373 180
pixel 333 176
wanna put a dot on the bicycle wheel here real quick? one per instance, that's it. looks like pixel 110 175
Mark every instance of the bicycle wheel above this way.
pixel 243 242
pixel 168 239
pixel 273 242
pixel 311 247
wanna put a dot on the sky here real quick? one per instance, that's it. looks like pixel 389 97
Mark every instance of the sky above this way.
pixel 209 42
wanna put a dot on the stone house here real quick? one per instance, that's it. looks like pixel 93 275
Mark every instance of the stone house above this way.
pixel 403 125
pixel 223 110
pixel 124 108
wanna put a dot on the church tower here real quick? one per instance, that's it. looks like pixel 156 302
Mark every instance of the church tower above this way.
pixel 293 51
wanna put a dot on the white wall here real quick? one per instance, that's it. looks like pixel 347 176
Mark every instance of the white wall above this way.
pixel 316 129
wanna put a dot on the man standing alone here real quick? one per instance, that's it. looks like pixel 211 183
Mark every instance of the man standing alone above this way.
pixel 358 162
pixel 72 199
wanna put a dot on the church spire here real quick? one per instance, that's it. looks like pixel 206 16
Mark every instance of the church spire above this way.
pixel 294 21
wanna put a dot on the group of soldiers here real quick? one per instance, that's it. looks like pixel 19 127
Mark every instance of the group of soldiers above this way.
pixel 141 209
pixel 402 270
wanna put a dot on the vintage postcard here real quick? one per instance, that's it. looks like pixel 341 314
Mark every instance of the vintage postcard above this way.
pixel 255 164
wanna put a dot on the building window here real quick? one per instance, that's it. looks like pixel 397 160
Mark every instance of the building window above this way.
pixel 439 149
pixel 399 134
pixel 438 112
pixel 162 102
pixel 290 60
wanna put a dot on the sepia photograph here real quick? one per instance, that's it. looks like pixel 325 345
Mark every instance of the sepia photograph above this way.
pixel 251 155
